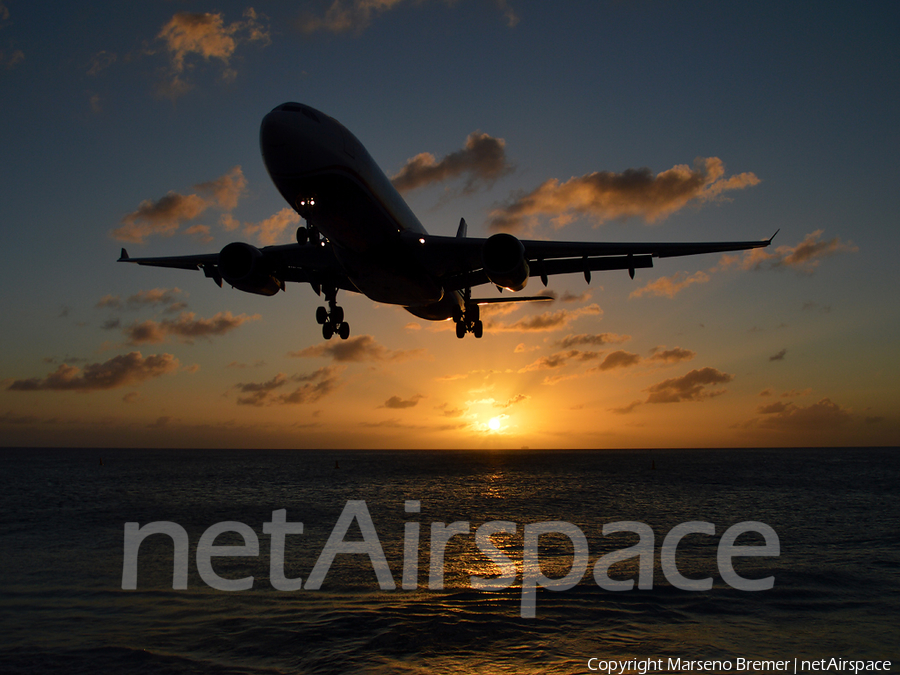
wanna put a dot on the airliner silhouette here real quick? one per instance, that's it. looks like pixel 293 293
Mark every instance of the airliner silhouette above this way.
pixel 360 236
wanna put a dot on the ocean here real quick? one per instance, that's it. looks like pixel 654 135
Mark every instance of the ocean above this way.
pixel 387 603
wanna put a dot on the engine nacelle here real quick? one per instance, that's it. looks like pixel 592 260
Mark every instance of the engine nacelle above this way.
pixel 504 262
pixel 244 267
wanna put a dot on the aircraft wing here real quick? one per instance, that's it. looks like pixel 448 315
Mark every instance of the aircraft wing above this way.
pixel 259 269
pixel 464 257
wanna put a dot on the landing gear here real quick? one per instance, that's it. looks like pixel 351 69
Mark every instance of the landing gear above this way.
pixel 307 235
pixel 332 318
pixel 469 321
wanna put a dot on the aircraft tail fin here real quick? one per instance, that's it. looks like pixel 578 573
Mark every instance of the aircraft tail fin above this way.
pixel 463 228
pixel 124 255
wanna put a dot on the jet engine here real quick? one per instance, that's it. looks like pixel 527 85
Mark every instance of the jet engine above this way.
pixel 244 267
pixel 504 262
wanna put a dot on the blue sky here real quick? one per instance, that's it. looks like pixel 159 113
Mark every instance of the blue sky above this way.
pixel 108 106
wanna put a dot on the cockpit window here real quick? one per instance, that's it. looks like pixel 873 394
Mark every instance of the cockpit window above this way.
pixel 297 107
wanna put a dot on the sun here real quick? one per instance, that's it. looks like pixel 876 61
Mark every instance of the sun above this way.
pixel 494 424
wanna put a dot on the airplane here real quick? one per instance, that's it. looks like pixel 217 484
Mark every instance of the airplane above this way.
pixel 362 237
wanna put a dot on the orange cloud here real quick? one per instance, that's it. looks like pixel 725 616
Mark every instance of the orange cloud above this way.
pixel 164 216
pixel 669 286
pixel 605 195
pixel 185 327
pixel 559 360
pixel 207 36
pixel 270 230
pixel 483 160
pixel 119 371
pixel 804 257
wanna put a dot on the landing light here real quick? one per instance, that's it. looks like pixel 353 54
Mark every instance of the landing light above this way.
pixel 421 240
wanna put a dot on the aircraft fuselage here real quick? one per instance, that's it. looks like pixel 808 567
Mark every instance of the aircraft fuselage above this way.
pixel 329 178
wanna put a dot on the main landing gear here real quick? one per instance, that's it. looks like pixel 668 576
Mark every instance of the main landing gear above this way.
pixel 332 318
pixel 469 321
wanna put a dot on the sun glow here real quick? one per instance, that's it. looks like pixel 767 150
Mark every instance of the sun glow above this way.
pixel 494 424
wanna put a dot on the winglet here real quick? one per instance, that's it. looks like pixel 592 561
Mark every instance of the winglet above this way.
pixel 463 228
pixel 123 256
pixel 770 238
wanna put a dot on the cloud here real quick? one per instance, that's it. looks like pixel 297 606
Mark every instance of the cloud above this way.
pixel 671 355
pixel 354 16
pixel 804 257
pixel 605 195
pixel 618 359
pixel 547 321
pixel 270 230
pixel 164 216
pixel 787 416
pixel 669 286
pixel 779 356
pixel 100 62
pixel 119 371
pixel 560 360
pixel 188 35
pixel 482 160
pixel 11 60
pixel 185 327
pixel 316 385
pixel 518 398
pixel 690 387
pixel 357 349
pixel 596 340
pixel 397 403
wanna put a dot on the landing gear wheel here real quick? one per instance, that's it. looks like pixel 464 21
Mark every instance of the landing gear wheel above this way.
pixel 321 316
pixel 460 330
pixel 344 331
pixel 337 314
pixel 478 329
pixel 327 330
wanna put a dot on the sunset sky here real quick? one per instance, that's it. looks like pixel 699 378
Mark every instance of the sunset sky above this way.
pixel 136 125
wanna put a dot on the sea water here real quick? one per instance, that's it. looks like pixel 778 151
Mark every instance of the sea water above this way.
pixel 63 512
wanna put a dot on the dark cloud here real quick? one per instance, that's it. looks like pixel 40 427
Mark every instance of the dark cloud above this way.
pixel 119 371
pixel 357 349
pixel 482 161
pixel 671 355
pixel 619 359
pixel 186 327
pixel 316 385
pixel 518 398
pixel 547 321
pixel 605 195
pixel 397 403
pixel 559 360
pixel 823 415
pixel 595 340
pixel 779 356
pixel 690 387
